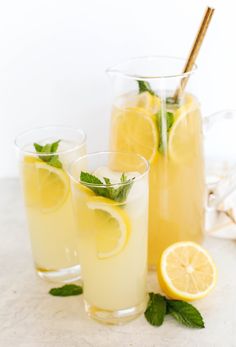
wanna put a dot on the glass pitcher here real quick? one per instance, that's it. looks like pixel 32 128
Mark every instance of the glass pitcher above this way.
pixel 156 117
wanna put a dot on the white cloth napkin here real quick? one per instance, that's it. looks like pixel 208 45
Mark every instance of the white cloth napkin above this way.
pixel 221 216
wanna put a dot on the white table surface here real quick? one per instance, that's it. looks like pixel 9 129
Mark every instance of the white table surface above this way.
pixel 30 317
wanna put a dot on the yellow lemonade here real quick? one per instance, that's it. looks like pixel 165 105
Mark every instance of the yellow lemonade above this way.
pixel 113 248
pixel 49 209
pixel 169 135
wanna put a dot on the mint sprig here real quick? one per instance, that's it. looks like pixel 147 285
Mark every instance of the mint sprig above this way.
pixel 145 87
pixel 49 148
pixel 118 194
pixel 159 306
pixel 66 290
pixel 169 119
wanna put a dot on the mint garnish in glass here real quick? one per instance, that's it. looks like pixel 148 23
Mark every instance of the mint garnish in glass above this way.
pixel 107 189
pixel 49 148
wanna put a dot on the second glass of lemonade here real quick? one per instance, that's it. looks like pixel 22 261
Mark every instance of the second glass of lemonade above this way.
pixel 110 193
pixel 150 118
pixel 44 156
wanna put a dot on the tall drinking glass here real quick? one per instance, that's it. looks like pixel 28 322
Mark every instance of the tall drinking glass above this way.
pixel 150 119
pixel 44 156
pixel 110 193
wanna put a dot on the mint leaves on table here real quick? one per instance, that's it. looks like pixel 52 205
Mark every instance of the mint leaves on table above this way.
pixel 67 290
pixel 156 309
pixel 169 119
pixel 49 148
pixel 145 87
pixel 108 191
pixel 183 312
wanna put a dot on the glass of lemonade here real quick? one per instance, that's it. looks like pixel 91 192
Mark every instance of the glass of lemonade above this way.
pixel 110 194
pixel 150 119
pixel 44 155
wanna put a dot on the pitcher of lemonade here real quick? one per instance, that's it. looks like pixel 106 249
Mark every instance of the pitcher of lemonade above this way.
pixel 154 117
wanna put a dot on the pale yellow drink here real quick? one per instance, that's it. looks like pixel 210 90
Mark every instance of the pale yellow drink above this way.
pixel 176 180
pixel 49 210
pixel 50 215
pixel 113 249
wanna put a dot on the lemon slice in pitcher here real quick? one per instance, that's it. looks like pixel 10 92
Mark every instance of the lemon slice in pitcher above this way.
pixel 147 101
pixel 135 131
pixel 113 226
pixel 178 141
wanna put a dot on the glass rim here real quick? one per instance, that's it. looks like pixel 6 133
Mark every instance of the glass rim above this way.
pixel 26 132
pixel 93 154
pixel 117 70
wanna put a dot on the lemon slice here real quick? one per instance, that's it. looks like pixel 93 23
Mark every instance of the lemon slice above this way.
pixel 187 272
pixel 149 102
pixel 45 186
pixel 134 130
pixel 53 185
pixel 112 224
pixel 178 141
pixel 82 189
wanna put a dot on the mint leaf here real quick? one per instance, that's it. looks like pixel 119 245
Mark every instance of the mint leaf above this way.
pixel 67 290
pixel 46 149
pixel 86 177
pixel 54 146
pixel 185 313
pixel 49 148
pixel 121 193
pixel 107 180
pixel 169 119
pixel 123 178
pixel 54 161
pixel 156 309
pixel 145 87
pixel 38 147
pixel 118 194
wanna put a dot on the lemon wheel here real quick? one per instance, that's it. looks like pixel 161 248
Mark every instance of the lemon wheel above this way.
pixel 135 131
pixel 187 271
pixel 149 102
pixel 112 224
pixel 45 185
pixel 178 141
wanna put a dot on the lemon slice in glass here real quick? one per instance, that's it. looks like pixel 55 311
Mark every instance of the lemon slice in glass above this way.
pixel 82 189
pixel 186 271
pixel 48 185
pixel 53 185
pixel 112 224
